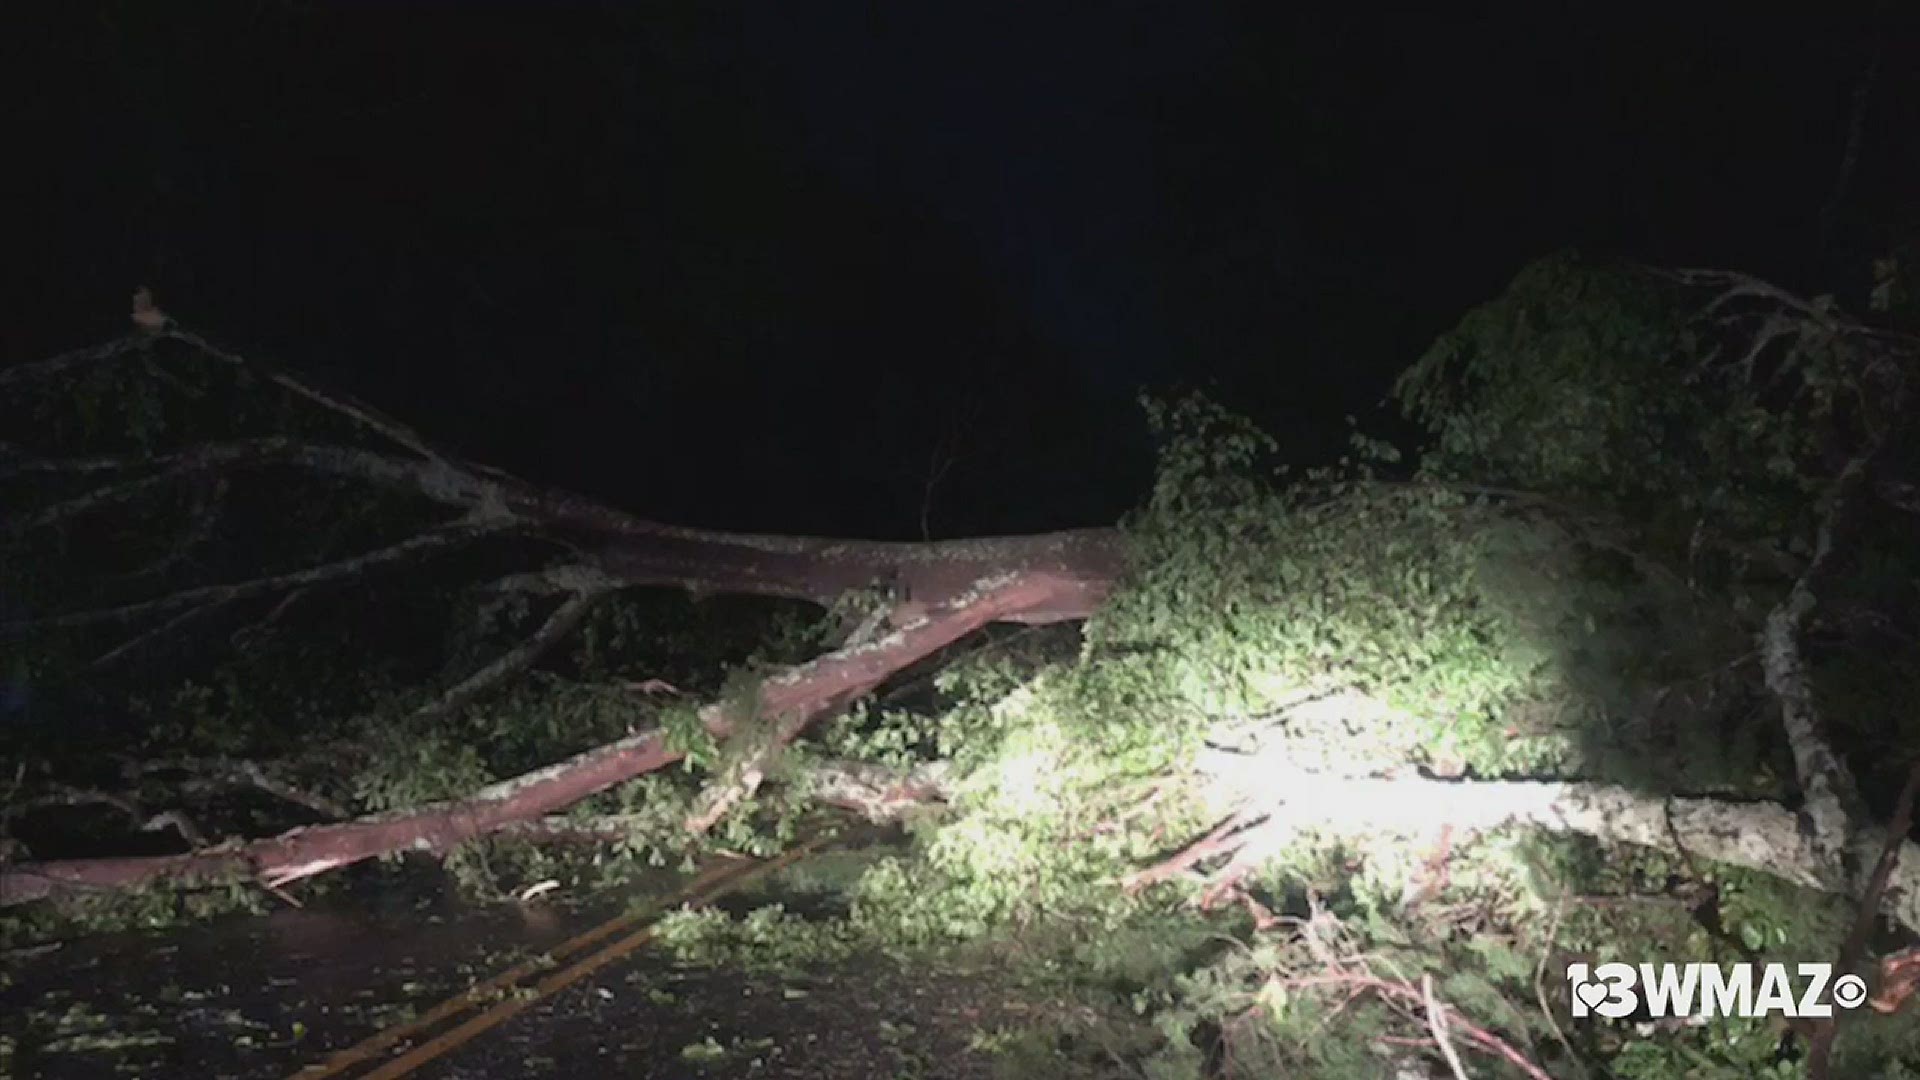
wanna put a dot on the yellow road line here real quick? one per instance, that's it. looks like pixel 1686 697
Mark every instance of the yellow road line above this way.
pixel 707 887
pixel 474 996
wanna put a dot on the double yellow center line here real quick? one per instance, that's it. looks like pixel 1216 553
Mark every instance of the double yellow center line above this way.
pixel 707 887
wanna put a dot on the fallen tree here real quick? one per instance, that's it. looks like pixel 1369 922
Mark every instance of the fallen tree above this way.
pixel 927 596
pixel 1734 490
pixel 792 700
pixel 1830 842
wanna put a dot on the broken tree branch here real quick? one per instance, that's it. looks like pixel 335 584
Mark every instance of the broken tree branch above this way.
pixel 615 549
pixel 434 540
pixel 875 792
pixel 1761 836
pixel 517 659
pixel 1832 800
pixel 357 411
pixel 790 701
pixel 858 668
pixel 55 366
pixel 211 774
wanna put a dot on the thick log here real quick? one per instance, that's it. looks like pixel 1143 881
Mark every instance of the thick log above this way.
pixel 1761 836
pixel 616 549
pixel 1081 566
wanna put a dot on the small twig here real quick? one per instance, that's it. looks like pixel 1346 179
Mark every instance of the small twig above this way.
pixel 252 632
pixel 1402 994
pixel 1437 1023
pixel 239 773
pixel 98 499
pixel 877 792
pixel 71 796
pixel 148 636
pixel 1225 838
pixel 1540 988
pixel 433 540
pixel 357 411
pixel 57 365
pixel 720 798
pixel 559 624
pixel 207 502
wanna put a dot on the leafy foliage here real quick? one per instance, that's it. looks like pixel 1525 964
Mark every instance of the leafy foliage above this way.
pixel 1566 383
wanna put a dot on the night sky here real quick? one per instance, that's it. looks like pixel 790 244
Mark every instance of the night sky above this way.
pixel 753 266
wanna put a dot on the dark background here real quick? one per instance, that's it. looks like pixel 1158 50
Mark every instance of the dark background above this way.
pixel 751 265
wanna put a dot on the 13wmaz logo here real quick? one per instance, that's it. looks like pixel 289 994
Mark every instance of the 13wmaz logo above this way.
pixel 1618 990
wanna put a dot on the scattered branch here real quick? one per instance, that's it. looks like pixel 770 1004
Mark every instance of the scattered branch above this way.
pixel 1735 287
pixel 210 774
pixel 1899 979
pixel 1226 838
pixel 1483 1039
pixel 1760 836
pixel 358 412
pixel 1437 1024
pixel 208 500
pixel 876 792
pixel 179 822
pixel 56 366
pixel 1540 990
pixel 517 659
pixel 153 634
pixel 1832 800
pixel 440 539
pixel 71 796
pixel 857 669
